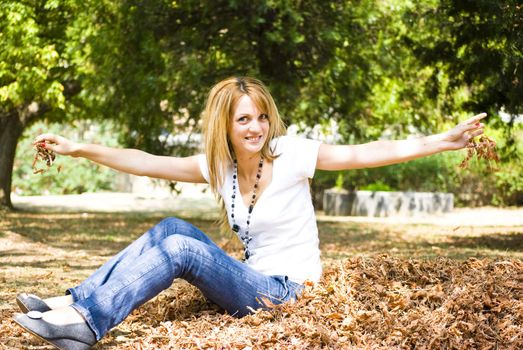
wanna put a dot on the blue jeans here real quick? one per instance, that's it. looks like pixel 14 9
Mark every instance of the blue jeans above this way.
pixel 173 249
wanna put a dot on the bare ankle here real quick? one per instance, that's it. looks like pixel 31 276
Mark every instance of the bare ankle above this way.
pixel 63 316
pixel 59 302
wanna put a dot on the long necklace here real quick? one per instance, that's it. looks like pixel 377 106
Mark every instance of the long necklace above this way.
pixel 245 238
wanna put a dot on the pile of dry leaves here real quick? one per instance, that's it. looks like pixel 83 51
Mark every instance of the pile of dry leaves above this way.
pixel 378 302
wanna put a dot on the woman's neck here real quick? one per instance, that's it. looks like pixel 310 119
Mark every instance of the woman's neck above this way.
pixel 248 166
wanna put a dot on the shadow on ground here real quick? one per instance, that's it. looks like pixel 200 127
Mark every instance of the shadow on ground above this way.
pixel 104 234
pixel 97 233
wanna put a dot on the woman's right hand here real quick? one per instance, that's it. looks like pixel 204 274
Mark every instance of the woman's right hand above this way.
pixel 58 144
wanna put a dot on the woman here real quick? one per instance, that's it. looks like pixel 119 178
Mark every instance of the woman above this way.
pixel 262 178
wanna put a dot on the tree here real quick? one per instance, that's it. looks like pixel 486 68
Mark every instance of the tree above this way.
pixel 35 78
pixel 370 65
pixel 147 64
pixel 478 47
pixel 168 54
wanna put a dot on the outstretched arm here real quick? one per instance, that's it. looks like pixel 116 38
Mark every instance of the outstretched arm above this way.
pixel 385 152
pixel 130 161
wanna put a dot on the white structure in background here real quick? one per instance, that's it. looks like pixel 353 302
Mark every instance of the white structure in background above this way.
pixel 193 140
pixel 384 204
pixel 505 117
pixel 327 133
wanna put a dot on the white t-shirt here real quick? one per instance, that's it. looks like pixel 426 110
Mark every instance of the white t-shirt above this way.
pixel 283 223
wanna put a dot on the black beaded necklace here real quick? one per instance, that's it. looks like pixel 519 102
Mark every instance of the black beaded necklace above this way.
pixel 245 238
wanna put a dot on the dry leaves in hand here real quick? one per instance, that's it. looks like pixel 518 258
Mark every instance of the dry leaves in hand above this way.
pixel 43 154
pixel 484 148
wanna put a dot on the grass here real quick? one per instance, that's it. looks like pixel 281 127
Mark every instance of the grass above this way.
pixel 44 253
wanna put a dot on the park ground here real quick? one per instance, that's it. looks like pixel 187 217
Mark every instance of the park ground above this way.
pixel 448 281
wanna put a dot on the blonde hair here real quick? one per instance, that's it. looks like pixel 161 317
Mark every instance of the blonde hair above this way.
pixel 219 109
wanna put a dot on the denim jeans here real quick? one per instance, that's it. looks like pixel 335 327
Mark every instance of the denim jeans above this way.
pixel 173 249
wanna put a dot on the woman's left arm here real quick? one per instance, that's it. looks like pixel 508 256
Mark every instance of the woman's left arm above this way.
pixel 385 152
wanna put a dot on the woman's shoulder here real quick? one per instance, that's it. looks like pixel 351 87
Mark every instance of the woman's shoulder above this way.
pixel 290 142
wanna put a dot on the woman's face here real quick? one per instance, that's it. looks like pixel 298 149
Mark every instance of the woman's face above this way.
pixel 249 128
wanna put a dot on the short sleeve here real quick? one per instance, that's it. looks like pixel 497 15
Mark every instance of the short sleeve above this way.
pixel 300 154
pixel 204 169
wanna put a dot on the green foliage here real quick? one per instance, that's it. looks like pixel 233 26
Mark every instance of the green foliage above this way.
pixel 32 64
pixel 480 45
pixel 376 186
pixel 339 181
pixel 155 61
pixel 398 67
pixel 474 52
pixel 76 175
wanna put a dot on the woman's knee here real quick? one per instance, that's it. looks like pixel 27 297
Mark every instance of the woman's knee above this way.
pixel 178 248
pixel 177 242
pixel 174 226
pixel 170 222
pixel 170 226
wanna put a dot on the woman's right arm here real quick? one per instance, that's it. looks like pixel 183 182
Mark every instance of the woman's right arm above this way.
pixel 132 161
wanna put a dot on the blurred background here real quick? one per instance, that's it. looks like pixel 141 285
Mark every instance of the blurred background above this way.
pixel 136 74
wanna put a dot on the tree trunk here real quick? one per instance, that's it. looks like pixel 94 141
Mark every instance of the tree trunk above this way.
pixel 12 125
pixel 10 130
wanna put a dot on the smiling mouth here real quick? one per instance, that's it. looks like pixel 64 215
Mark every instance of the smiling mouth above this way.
pixel 254 138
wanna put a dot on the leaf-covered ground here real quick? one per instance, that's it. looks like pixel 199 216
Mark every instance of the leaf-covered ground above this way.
pixel 384 286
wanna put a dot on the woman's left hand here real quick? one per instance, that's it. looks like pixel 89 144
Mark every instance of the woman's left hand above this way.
pixel 460 136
